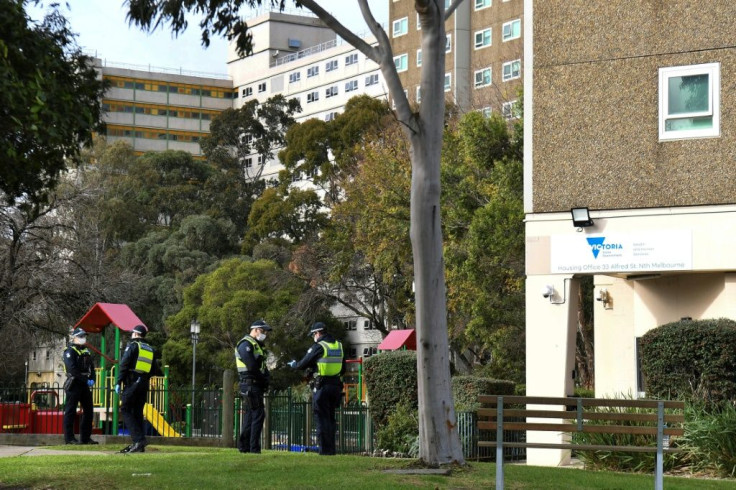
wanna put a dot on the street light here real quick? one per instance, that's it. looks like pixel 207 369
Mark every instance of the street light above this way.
pixel 194 329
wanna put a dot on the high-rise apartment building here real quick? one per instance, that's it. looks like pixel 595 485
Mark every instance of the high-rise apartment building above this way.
pixel 157 111
pixel 484 47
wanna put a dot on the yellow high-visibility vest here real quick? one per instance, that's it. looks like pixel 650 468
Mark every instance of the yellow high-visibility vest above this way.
pixel 330 363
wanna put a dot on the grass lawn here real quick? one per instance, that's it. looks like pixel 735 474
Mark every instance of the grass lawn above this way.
pixel 209 468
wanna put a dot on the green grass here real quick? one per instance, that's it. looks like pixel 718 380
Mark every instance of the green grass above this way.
pixel 208 468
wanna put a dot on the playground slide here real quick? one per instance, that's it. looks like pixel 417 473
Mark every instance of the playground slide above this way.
pixel 158 422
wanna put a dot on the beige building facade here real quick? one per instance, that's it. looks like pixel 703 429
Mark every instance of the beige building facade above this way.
pixel 629 113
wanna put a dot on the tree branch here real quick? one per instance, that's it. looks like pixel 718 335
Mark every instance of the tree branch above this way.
pixel 451 9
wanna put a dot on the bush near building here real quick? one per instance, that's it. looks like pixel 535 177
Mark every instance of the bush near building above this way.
pixel 466 389
pixel 391 380
pixel 691 360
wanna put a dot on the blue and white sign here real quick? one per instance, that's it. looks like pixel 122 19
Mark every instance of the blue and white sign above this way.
pixel 669 250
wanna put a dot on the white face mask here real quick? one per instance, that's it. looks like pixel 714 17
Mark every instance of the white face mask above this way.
pixel 79 340
pixel 261 337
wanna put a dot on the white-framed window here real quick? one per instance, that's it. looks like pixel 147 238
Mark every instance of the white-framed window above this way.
pixel 259 159
pixel 312 71
pixel 689 101
pixel 482 4
pixel 350 325
pixel 483 77
pixel 247 91
pixel 331 65
pixel 448 43
pixel 511 30
pixel 295 77
pixel 511 70
pixel 400 27
pixel 419 24
pixel 483 38
pixel 351 85
pixel 448 82
pixel 331 91
pixel 508 109
pixel 351 59
pixel 367 325
pixel 419 93
pixel 371 80
pixel 312 97
pixel 447 4
pixel 330 116
pixel 419 57
pixel 486 111
pixel 261 87
pixel 249 162
pixel 402 62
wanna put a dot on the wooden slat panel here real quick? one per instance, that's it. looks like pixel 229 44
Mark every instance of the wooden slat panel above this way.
pixel 552 414
pixel 581 447
pixel 591 429
pixel 587 402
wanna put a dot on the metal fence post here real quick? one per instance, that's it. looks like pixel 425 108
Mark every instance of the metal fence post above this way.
pixel 499 443
pixel 228 405
pixel 658 476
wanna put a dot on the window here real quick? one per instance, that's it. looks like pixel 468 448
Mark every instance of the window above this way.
pixel 312 96
pixel 295 77
pixel 351 85
pixel 371 80
pixel 48 354
pixel 689 101
pixel 312 71
pixel 482 4
pixel 261 87
pixel 367 325
pixel 331 65
pixel 352 353
pixel 419 93
pixel 419 24
pixel 400 27
pixel 486 111
pixel 509 110
pixel 249 162
pixel 448 81
pixel 482 77
pixel 331 91
pixel 351 325
pixel 483 38
pixel 448 43
pixel 247 91
pixel 511 70
pixel 330 116
pixel 419 57
pixel 351 59
pixel 401 62
pixel 511 30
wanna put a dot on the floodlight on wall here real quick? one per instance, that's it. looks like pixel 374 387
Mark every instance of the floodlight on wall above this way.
pixel 581 217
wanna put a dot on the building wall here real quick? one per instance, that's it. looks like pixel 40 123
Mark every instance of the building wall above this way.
pixel 156 111
pixel 463 58
pixel 597 124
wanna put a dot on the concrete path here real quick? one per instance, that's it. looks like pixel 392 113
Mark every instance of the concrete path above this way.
pixel 10 451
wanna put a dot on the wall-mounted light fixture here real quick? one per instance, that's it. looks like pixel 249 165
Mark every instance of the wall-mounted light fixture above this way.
pixel 605 297
pixel 581 217
pixel 549 292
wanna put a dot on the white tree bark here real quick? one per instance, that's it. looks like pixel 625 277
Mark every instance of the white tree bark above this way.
pixel 438 436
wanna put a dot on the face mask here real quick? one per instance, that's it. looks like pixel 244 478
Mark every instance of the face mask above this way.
pixel 78 340
pixel 261 337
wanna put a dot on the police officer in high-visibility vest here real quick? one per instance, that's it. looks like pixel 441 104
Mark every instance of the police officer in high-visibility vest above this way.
pixel 135 370
pixel 250 359
pixel 326 359
pixel 80 372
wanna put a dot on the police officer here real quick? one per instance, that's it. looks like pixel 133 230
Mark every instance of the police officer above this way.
pixel 80 372
pixel 250 359
pixel 327 360
pixel 135 370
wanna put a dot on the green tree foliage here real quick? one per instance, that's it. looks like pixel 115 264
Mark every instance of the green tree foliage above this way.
pixel 467 389
pixel 226 301
pixel 49 101
pixel 693 360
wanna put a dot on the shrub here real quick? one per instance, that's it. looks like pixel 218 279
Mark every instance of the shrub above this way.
pixel 401 430
pixel 391 380
pixel 466 389
pixel 710 437
pixel 691 360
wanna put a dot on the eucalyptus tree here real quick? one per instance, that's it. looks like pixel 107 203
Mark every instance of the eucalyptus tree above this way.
pixel 439 439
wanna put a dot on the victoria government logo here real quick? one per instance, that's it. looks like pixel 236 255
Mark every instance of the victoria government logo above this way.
pixel 598 245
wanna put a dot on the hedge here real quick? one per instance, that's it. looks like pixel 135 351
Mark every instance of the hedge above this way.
pixel 391 380
pixel 466 389
pixel 691 360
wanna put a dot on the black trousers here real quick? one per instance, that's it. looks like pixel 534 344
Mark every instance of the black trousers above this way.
pixel 255 413
pixel 133 399
pixel 78 393
pixel 324 403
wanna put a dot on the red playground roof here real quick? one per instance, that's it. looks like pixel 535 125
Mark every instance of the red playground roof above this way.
pixel 102 314
pixel 396 339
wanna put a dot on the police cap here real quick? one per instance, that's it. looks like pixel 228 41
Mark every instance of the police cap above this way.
pixel 260 324
pixel 79 332
pixel 317 327
pixel 141 330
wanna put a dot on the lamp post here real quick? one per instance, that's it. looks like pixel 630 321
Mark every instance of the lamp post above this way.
pixel 194 329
